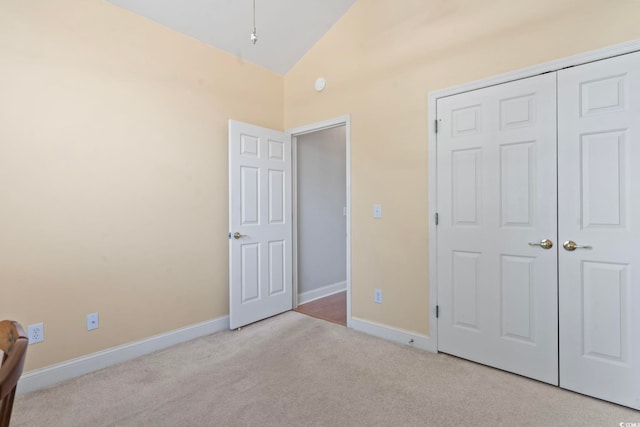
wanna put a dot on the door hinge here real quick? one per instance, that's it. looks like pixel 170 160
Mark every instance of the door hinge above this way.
pixel 229 235
pixel 437 311
pixel 436 125
pixel 437 218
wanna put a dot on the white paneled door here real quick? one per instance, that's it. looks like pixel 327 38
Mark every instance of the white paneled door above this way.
pixel 497 249
pixel 538 256
pixel 260 254
pixel 599 212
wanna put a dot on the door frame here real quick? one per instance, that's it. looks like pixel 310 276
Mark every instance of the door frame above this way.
pixel 556 65
pixel 302 130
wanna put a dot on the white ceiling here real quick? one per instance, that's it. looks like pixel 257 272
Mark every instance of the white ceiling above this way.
pixel 286 29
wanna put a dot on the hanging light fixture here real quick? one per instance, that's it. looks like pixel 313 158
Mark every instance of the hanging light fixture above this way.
pixel 254 34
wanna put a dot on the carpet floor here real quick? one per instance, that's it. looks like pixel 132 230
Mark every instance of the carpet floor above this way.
pixel 294 370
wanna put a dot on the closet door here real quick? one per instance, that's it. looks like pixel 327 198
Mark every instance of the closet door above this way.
pixel 497 281
pixel 599 211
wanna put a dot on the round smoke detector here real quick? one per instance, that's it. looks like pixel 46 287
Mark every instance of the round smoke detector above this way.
pixel 320 84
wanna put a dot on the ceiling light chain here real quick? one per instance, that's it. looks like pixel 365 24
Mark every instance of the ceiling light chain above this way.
pixel 254 34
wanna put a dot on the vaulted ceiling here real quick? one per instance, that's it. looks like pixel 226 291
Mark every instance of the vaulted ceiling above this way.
pixel 286 29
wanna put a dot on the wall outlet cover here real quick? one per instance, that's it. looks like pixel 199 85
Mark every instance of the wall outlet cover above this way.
pixel 35 333
pixel 377 296
pixel 92 321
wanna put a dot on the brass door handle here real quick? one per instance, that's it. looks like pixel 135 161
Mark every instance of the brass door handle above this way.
pixel 571 246
pixel 544 244
pixel 237 235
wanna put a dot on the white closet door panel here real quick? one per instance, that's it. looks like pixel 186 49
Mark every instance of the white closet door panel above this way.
pixel 496 193
pixel 599 206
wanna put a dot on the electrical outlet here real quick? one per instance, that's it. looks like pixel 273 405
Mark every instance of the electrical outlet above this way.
pixel 92 321
pixel 36 333
pixel 377 296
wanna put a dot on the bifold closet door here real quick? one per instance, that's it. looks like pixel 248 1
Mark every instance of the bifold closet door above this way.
pixel 497 275
pixel 599 211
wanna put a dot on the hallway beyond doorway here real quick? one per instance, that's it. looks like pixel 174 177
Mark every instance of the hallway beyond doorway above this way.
pixel 332 308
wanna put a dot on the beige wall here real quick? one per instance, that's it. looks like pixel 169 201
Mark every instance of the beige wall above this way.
pixel 113 172
pixel 380 62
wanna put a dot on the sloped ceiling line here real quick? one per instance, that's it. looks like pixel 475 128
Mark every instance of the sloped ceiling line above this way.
pixel 287 28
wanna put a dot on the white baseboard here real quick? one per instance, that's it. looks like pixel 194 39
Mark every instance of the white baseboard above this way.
pixel 401 336
pixel 44 377
pixel 322 292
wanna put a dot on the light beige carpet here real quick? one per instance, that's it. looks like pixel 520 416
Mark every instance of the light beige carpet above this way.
pixel 294 370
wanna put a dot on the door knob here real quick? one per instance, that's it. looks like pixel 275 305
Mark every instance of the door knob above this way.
pixel 544 244
pixel 571 246
pixel 237 235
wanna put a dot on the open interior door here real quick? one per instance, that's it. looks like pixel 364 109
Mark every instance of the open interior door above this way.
pixel 260 245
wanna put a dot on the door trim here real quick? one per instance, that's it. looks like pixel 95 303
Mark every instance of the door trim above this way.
pixel 295 132
pixel 570 61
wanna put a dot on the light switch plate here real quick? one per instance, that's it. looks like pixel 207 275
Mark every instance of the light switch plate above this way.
pixel 377 211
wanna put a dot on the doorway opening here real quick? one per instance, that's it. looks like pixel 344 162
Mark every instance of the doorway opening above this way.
pixel 321 222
